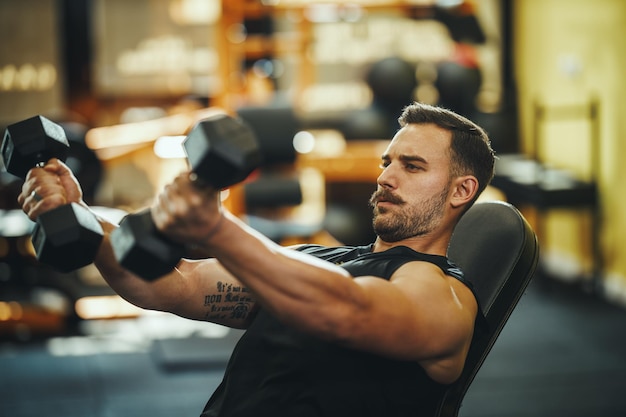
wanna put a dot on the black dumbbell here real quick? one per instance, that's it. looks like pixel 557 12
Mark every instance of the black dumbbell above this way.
pixel 221 152
pixel 67 237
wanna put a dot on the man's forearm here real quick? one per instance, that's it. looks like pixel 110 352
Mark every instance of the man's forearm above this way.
pixel 195 289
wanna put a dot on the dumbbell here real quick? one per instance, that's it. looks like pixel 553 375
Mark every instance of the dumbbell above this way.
pixel 221 151
pixel 67 237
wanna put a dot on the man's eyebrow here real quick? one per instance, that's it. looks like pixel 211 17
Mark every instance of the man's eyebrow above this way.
pixel 406 158
pixel 413 158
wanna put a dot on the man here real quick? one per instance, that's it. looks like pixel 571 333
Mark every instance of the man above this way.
pixel 349 331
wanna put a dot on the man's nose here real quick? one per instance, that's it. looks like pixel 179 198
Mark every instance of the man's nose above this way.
pixel 387 177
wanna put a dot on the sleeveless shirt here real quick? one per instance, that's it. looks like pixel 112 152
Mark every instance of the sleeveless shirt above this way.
pixel 277 371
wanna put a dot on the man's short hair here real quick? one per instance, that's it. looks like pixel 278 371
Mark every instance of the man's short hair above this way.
pixel 471 152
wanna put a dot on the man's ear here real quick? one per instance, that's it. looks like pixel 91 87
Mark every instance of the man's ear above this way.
pixel 464 190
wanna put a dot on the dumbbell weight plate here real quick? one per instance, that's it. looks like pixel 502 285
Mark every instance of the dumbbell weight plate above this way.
pixel 139 247
pixel 30 142
pixel 222 151
pixel 67 237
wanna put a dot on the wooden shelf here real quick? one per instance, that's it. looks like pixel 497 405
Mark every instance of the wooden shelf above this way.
pixel 295 43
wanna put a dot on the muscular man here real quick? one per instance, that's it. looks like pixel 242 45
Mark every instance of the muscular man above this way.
pixel 349 331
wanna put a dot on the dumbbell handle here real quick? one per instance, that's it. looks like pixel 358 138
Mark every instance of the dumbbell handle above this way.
pixel 52 223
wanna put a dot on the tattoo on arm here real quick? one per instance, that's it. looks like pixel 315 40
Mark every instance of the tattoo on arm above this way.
pixel 228 302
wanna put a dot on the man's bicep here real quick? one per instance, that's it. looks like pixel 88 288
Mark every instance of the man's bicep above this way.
pixel 213 294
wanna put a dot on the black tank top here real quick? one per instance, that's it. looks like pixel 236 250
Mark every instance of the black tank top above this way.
pixel 277 371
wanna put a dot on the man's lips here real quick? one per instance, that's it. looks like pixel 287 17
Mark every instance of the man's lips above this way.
pixel 384 202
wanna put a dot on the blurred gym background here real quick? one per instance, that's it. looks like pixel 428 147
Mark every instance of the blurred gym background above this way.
pixel 321 83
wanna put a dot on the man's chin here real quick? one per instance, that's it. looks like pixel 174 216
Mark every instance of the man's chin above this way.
pixel 388 238
pixel 385 230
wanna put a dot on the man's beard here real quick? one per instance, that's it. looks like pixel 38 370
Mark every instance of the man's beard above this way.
pixel 408 221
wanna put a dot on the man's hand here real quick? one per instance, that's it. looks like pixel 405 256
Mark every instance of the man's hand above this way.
pixel 49 187
pixel 187 212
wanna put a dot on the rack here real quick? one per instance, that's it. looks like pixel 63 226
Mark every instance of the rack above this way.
pixel 529 181
pixel 235 48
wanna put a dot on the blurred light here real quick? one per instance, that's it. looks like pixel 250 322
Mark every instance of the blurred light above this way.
pixel 426 72
pixel 105 307
pixel 17 312
pixel 106 137
pixel 323 13
pixel 336 96
pixel 449 3
pixel 268 68
pixel 129 336
pixel 263 68
pixel 11 310
pixel 28 77
pixel 236 33
pixel 488 101
pixel 570 65
pixel 304 142
pixel 15 223
pixel 279 68
pixel 52 300
pixel 5 311
pixel 195 12
pixel 170 147
pixel 352 13
pixel 427 93
pixel 167 54
pixel 141 114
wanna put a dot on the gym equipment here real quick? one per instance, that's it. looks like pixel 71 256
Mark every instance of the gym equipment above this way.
pixel 458 86
pixel 221 152
pixel 273 191
pixel 67 237
pixel 498 251
pixel 274 125
pixel 392 81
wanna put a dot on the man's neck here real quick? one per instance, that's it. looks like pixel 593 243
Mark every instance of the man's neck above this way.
pixel 423 244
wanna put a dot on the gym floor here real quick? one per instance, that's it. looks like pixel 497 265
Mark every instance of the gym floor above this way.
pixel 562 353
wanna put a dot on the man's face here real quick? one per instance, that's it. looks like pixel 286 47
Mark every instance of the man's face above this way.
pixel 413 189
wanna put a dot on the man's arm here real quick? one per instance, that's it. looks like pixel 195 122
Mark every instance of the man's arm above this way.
pixel 436 318
pixel 200 290
pixel 195 289
pixel 420 314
